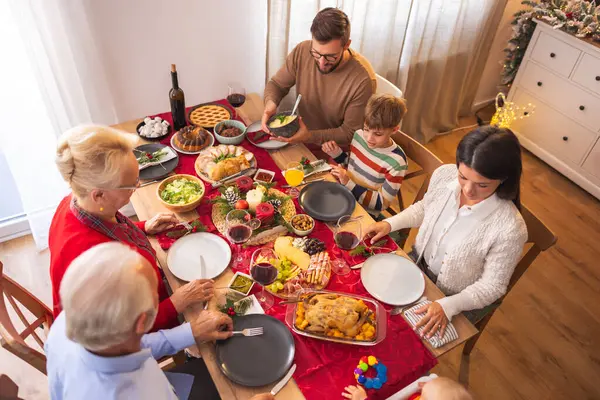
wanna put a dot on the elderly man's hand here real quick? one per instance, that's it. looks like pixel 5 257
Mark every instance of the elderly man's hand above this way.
pixel 196 291
pixel 160 222
pixel 302 136
pixel 211 325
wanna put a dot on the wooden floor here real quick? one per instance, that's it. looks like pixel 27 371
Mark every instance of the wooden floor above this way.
pixel 543 343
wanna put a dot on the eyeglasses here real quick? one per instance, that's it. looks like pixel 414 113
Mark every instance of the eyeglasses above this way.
pixel 328 57
pixel 137 185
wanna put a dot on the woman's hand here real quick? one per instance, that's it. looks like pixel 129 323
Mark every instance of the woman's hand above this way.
pixel 434 319
pixel 332 149
pixel 377 230
pixel 354 393
pixel 340 173
pixel 196 291
pixel 160 222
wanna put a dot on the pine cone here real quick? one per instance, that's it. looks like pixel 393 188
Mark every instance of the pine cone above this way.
pixel 276 203
pixel 231 195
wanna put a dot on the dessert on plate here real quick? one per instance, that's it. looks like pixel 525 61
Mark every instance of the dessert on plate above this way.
pixel 192 139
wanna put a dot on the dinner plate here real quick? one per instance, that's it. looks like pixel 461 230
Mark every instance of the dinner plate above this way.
pixel 173 145
pixel 183 258
pixel 326 201
pixel 156 171
pixel 392 279
pixel 269 144
pixel 257 360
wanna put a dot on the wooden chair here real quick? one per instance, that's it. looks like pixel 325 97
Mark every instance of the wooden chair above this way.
pixel 540 239
pixel 10 338
pixel 425 161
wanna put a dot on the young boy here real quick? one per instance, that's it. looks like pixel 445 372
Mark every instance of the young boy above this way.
pixel 376 165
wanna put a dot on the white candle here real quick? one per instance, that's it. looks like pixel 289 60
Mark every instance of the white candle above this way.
pixel 254 198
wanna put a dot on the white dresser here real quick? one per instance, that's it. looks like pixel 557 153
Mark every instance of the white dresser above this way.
pixel 560 75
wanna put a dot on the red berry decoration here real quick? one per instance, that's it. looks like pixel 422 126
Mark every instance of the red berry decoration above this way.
pixel 244 183
pixel 265 213
pixel 149 156
pixel 241 205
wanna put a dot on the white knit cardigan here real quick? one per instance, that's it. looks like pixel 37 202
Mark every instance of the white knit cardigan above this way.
pixel 476 272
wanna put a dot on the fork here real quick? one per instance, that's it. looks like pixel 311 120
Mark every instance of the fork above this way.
pixel 249 332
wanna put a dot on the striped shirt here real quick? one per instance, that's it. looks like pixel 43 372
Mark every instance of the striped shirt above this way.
pixel 375 174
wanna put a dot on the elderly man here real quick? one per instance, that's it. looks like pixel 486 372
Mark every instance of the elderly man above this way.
pixel 98 347
pixel 334 81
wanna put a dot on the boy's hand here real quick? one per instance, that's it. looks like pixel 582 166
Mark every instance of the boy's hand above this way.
pixel 340 173
pixel 354 393
pixel 332 149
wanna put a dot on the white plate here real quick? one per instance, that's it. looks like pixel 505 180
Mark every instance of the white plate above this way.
pixel 183 258
pixel 392 279
pixel 269 144
pixel 173 145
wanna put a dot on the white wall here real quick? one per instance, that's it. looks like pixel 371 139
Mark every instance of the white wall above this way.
pixel 488 87
pixel 211 43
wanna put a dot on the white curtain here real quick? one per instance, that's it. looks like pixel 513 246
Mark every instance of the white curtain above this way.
pixel 51 79
pixel 433 50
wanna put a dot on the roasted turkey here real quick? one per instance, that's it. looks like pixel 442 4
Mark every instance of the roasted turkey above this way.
pixel 331 311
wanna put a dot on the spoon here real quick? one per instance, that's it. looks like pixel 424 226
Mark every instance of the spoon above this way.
pixel 296 105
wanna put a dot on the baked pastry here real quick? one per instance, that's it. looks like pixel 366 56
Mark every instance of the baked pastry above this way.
pixel 222 161
pixel 192 138
pixel 209 115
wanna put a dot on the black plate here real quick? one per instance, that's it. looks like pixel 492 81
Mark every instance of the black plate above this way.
pixel 154 139
pixel 258 360
pixel 156 171
pixel 326 201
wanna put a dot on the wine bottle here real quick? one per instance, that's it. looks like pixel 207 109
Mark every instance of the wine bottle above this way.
pixel 177 100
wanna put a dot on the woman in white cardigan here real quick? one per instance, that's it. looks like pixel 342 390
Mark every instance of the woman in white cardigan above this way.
pixel 471 234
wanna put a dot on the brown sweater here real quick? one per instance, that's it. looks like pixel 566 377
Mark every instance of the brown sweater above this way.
pixel 333 104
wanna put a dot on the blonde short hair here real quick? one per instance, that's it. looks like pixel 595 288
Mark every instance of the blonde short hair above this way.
pixel 90 156
pixel 103 293
pixel 384 111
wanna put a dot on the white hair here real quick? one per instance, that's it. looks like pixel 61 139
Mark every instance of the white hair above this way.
pixel 103 293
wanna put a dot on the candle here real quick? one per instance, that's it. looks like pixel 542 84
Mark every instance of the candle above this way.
pixel 254 197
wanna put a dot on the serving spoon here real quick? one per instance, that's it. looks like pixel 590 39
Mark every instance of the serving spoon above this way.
pixel 296 105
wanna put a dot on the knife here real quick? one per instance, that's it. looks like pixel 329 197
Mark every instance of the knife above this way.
pixel 285 380
pixel 203 275
pixel 305 182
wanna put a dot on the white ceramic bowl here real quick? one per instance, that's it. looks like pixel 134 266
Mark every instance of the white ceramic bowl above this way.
pixel 233 280
pixel 298 231
pixel 230 140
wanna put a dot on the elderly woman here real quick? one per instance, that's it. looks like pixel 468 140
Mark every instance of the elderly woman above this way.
pixel 99 165
pixel 471 234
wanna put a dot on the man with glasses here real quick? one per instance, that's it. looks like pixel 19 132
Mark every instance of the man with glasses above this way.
pixel 334 81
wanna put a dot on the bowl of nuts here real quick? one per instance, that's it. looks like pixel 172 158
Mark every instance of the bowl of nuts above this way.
pixel 302 224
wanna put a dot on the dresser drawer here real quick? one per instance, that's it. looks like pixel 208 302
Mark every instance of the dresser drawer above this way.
pixel 592 163
pixel 555 54
pixel 553 131
pixel 587 73
pixel 562 94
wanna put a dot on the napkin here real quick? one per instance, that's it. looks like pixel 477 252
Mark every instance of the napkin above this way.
pixel 170 154
pixel 435 341
pixel 264 138
pixel 167 238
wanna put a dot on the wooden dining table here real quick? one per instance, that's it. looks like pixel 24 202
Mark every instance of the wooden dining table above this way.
pixel 146 204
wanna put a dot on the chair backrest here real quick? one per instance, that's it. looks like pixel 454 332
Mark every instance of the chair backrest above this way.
pixel 387 87
pixel 541 239
pixel 420 155
pixel 10 338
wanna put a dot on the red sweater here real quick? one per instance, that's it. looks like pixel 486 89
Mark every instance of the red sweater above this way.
pixel 69 238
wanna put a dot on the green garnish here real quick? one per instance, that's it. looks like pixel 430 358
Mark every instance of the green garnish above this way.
pixel 146 158
pixel 223 157
pixel 281 118
pixel 181 191
pixel 362 250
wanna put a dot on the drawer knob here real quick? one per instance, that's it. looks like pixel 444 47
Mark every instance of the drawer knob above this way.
pixel 539 83
pixel 552 55
pixel 582 108
pixel 565 138
pixel 598 77
pixel 526 113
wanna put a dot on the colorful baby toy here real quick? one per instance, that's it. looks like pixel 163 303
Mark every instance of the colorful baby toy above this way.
pixel 363 366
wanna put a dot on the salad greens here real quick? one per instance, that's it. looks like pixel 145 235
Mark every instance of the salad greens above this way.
pixel 181 191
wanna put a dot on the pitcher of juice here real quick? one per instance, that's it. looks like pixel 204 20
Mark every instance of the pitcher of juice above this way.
pixel 294 175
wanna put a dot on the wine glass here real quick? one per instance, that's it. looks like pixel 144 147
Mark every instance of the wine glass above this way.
pixel 236 95
pixel 348 232
pixel 294 175
pixel 264 272
pixel 240 225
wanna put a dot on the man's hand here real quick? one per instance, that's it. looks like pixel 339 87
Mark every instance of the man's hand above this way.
pixel 332 149
pixel 270 109
pixel 160 222
pixel 302 136
pixel 192 292
pixel 263 396
pixel 211 325
pixel 340 173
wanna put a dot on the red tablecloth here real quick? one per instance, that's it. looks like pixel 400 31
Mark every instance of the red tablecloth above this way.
pixel 325 368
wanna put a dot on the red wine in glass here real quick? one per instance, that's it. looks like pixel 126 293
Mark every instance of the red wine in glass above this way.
pixel 346 240
pixel 236 99
pixel 264 273
pixel 239 233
